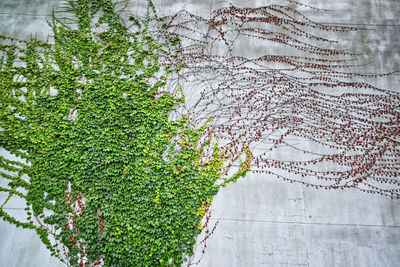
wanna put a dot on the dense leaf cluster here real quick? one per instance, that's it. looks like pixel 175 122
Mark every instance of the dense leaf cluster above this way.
pixel 105 172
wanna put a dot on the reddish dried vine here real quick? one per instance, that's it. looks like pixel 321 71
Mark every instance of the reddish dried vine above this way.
pixel 304 100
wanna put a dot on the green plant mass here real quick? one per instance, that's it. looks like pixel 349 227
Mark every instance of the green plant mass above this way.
pixel 109 177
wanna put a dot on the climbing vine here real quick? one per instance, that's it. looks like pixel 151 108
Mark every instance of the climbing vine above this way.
pixel 294 96
pixel 118 166
pixel 110 174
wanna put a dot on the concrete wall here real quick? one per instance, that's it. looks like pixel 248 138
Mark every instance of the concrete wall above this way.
pixel 264 221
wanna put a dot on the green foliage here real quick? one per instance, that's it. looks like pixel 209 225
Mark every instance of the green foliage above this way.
pixel 112 175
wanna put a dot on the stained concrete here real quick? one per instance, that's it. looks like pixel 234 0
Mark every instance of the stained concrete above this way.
pixel 263 221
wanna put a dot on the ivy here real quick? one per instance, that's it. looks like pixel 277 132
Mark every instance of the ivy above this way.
pixel 113 179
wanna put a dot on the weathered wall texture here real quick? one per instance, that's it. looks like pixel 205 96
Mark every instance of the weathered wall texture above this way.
pixel 264 221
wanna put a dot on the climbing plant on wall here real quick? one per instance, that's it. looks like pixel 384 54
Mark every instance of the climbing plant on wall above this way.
pixel 290 88
pixel 118 168
pixel 109 174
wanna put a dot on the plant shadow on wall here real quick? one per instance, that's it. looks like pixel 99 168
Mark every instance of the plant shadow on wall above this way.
pixel 119 169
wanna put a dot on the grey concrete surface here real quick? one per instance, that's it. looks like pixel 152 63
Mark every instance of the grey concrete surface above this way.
pixel 264 221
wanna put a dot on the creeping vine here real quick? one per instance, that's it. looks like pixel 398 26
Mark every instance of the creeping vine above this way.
pixel 110 176
pixel 118 167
